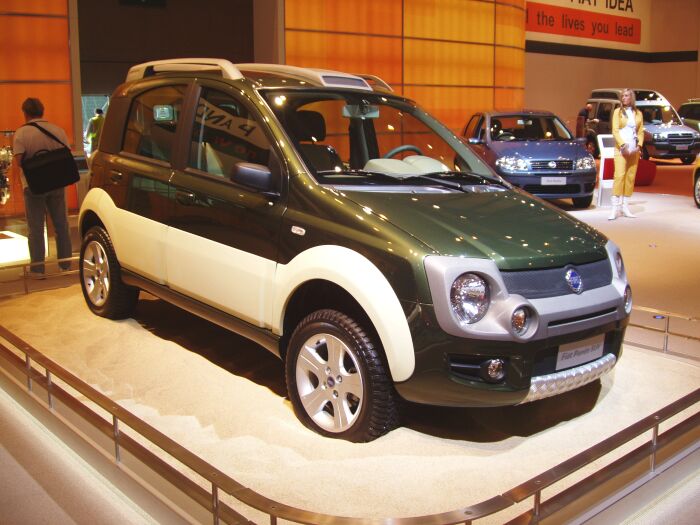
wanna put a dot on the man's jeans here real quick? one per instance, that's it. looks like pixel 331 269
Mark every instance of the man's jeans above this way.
pixel 36 207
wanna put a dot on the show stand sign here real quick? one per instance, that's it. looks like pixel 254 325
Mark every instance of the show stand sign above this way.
pixel 621 24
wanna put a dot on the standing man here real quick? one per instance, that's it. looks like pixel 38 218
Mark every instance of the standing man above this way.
pixel 94 129
pixel 27 142
pixel 581 120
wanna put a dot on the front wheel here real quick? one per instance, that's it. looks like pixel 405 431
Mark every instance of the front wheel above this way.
pixel 100 277
pixel 582 202
pixel 696 189
pixel 688 159
pixel 337 380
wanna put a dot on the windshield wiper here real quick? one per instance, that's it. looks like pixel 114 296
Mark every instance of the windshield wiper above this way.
pixel 364 173
pixel 469 175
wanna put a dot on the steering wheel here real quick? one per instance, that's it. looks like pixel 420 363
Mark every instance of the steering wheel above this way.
pixel 402 148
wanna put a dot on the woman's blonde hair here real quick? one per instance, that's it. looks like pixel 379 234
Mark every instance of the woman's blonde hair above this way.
pixel 633 99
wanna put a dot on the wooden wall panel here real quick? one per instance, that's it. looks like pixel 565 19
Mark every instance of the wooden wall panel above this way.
pixel 454 57
pixel 352 53
pixel 457 20
pixel 443 63
pixel 358 16
pixel 34 47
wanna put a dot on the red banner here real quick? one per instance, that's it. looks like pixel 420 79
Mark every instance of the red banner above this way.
pixel 545 18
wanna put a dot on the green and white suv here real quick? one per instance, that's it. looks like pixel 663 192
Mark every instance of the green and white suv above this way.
pixel 344 229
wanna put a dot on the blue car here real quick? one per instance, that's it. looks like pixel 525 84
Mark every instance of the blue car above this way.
pixel 535 151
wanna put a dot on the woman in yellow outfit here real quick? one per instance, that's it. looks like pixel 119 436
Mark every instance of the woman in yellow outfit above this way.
pixel 627 128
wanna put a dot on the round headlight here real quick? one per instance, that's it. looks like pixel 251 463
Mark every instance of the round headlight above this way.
pixel 619 264
pixel 628 299
pixel 469 298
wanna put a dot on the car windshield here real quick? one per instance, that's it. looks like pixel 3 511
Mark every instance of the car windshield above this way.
pixel 527 127
pixel 368 139
pixel 659 114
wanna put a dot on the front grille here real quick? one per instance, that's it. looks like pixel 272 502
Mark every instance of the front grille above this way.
pixel 680 138
pixel 536 189
pixel 536 284
pixel 559 165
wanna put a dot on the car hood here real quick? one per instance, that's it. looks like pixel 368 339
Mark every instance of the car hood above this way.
pixel 540 149
pixel 667 128
pixel 514 229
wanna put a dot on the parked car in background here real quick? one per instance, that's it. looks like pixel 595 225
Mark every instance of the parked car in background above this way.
pixel 690 113
pixel 350 233
pixel 534 151
pixel 665 135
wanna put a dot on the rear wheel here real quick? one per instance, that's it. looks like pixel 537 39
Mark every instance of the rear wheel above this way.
pixel 100 277
pixel 582 202
pixel 338 382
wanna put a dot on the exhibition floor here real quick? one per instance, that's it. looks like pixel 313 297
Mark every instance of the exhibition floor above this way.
pixel 223 398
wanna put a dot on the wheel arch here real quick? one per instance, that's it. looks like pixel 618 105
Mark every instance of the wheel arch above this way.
pixel 337 277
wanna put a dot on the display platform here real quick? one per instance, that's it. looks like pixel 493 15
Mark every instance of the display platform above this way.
pixel 223 398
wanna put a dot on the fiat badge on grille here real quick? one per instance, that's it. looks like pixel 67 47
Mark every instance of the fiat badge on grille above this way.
pixel 573 279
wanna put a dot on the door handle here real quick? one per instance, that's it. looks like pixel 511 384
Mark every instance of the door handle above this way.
pixel 185 198
pixel 115 176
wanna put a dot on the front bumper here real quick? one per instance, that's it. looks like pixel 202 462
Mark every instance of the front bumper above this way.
pixel 545 184
pixel 530 366
pixel 671 151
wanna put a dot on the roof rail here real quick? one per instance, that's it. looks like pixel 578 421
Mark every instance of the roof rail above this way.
pixel 376 83
pixel 323 77
pixel 227 69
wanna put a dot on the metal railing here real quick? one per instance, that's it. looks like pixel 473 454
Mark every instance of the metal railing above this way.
pixel 221 482
pixel 26 270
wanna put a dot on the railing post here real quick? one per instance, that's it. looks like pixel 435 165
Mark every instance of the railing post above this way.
pixel 654 440
pixel 115 431
pixel 25 276
pixel 215 503
pixel 49 384
pixel 666 333
pixel 28 368
pixel 536 508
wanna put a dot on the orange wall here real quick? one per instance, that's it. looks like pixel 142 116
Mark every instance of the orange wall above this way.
pixel 454 57
pixel 34 62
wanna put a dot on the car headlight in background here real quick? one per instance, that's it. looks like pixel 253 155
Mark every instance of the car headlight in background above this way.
pixel 660 136
pixel 585 163
pixel 469 297
pixel 619 264
pixel 513 164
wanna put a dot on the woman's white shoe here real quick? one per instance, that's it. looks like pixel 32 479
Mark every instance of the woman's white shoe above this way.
pixel 625 209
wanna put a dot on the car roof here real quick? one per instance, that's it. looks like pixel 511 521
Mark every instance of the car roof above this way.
pixel 263 75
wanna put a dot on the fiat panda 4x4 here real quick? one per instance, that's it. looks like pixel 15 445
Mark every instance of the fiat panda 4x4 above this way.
pixel 343 228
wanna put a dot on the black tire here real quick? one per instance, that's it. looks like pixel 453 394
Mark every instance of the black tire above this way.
pixel 645 153
pixel 100 277
pixel 688 159
pixel 362 406
pixel 696 188
pixel 582 202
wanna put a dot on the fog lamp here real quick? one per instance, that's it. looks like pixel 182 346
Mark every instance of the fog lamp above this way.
pixel 520 320
pixel 493 370
pixel 628 299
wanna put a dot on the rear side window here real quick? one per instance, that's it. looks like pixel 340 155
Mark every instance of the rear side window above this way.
pixel 225 133
pixel 152 124
pixel 605 111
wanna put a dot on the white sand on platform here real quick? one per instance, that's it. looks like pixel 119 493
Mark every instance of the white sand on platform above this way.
pixel 442 460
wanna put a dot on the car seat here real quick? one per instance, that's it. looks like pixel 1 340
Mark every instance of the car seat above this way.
pixel 310 129
pixel 496 128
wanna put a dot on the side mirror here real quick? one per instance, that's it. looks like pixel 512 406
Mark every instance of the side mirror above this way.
pixel 255 176
pixel 474 140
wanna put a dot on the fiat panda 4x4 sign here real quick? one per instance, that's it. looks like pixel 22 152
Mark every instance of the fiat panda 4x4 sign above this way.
pixel 346 230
